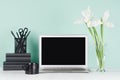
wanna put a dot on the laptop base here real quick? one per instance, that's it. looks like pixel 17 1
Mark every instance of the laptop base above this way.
pixel 64 71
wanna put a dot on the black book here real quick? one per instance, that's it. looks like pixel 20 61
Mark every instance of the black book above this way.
pixel 18 59
pixel 15 63
pixel 17 55
pixel 13 67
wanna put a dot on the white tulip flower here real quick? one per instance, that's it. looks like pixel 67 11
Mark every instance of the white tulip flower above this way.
pixel 86 14
pixel 105 19
pixel 108 24
pixel 89 20
pixel 86 17
pixel 105 16
pixel 95 23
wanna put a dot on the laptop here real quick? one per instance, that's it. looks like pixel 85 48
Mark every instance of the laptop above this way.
pixel 66 53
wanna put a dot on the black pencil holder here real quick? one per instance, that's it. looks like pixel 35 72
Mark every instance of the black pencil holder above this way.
pixel 31 68
pixel 20 45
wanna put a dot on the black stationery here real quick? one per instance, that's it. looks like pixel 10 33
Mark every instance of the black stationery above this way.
pixel 18 59
pixel 18 55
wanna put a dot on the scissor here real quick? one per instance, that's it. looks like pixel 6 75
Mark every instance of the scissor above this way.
pixel 23 32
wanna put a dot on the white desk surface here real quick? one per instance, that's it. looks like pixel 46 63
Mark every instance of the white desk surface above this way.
pixel 20 75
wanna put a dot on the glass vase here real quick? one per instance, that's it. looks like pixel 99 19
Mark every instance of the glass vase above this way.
pixel 100 61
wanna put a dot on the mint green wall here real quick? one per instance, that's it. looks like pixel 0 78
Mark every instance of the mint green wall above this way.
pixel 57 17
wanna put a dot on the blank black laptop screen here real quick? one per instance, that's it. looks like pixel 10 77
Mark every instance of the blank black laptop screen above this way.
pixel 63 50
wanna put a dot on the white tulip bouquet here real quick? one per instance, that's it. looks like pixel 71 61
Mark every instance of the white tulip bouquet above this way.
pixel 98 38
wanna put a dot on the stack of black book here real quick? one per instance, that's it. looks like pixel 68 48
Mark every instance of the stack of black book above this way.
pixel 16 61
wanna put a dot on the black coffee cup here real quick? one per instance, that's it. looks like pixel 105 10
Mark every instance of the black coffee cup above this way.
pixel 31 68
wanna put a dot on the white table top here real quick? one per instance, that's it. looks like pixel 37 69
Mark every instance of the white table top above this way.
pixel 20 75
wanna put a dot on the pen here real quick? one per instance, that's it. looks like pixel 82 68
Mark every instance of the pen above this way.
pixel 13 34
